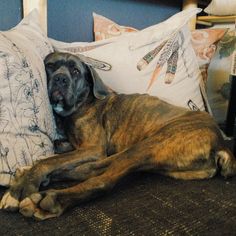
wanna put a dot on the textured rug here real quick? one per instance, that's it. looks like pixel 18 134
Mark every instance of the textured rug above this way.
pixel 142 204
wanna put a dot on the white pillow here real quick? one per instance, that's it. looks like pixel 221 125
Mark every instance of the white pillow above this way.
pixel 26 123
pixel 221 7
pixel 118 61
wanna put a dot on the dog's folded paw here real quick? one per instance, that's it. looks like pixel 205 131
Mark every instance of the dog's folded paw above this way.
pixel 62 146
pixel 28 206
pixel 9 203
pixel 40 206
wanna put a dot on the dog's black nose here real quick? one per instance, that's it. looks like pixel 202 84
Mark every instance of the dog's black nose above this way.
pixel 61 80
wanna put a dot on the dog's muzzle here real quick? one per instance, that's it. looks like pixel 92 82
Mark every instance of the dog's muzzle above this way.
pixel 58 88
pixel 60 80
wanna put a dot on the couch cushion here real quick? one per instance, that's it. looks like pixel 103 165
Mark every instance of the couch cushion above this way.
pixel 26 123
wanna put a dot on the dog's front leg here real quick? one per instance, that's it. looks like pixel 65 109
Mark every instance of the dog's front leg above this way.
pixel 102 176
pixel 29 182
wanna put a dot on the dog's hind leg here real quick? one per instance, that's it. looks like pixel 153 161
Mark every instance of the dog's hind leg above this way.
pixel 226 162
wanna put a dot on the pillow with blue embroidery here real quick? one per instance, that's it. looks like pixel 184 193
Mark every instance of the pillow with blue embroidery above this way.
pixel 26 122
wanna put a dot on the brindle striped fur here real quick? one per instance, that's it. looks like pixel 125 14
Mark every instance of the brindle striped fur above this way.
pixel 114 135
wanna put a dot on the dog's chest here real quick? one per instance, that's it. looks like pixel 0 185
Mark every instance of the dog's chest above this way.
pixel 85 130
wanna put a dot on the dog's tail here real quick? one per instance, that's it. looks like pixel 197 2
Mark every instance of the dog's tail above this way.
pixel 226 162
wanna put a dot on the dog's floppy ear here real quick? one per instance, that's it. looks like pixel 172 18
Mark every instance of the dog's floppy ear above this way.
pixel 48 57
pixel 100 91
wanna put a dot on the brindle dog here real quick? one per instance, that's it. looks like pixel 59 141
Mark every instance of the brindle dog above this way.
pixel 114 135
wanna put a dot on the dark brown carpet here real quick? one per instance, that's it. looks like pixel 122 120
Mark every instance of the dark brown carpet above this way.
pixel 143 204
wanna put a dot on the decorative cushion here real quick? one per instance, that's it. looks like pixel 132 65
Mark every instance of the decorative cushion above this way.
pixel 221 8
pixel 158 60
pixel 26 123
pixel 218 82
pixel 105 28
pixel 204 41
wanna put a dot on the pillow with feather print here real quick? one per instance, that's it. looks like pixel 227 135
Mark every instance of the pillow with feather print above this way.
pixel 26 122
pixel 204 41
pixel 158 60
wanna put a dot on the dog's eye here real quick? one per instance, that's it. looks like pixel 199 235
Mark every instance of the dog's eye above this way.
pixel 50 66
pixel 75 71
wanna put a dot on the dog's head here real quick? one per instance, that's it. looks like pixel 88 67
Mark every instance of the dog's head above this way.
pixel 71 82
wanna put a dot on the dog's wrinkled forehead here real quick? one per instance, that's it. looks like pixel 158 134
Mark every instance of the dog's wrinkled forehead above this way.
pixel 59 59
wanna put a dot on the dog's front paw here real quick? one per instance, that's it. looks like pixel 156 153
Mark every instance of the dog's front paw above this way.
pixel 9 202
pixel 41 206
pixel 20 188
pixel 62 146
